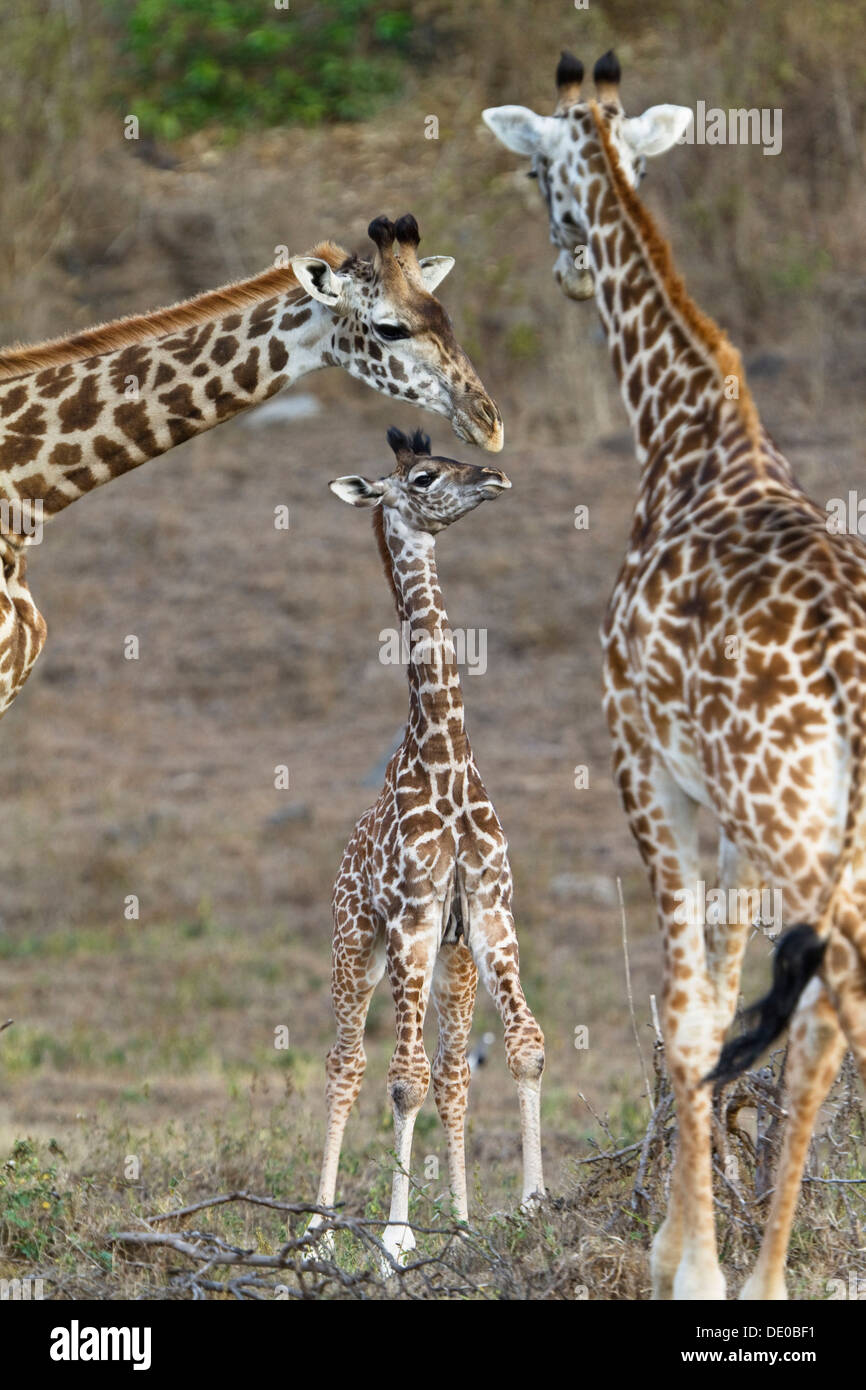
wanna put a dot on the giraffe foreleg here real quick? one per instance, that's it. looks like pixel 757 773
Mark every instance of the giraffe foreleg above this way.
pixel 493 943
pixel 358 966
pixel 454 984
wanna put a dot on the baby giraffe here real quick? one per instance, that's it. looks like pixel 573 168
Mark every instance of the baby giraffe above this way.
pixel 424 889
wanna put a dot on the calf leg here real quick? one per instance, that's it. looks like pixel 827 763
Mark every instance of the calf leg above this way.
pixel 412 944
pixel 454 984
pixel 358 966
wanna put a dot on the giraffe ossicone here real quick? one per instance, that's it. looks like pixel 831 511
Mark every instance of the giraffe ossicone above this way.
pixel 734 673
pixel 424 891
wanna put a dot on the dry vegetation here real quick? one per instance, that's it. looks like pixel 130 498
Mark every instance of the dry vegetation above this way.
pixel 153 1040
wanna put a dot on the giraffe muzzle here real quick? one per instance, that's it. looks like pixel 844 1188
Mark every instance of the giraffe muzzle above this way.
pixel 575 283
pixel 479 422
pixel 494 482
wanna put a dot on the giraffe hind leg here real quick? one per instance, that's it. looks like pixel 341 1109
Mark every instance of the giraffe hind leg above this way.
pixel 829 1014
pixel 684 1259
pixel 816 1050
pixel 455 981
pixel 493 942
pixel 727 933
pixel 797 958
pixel 412 946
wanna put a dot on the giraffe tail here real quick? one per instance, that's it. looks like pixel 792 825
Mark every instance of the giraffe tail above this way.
pixel 797 958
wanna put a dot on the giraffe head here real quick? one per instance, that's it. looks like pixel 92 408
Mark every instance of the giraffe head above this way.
pixel 390 331
pixel 427 493
pixel 567 159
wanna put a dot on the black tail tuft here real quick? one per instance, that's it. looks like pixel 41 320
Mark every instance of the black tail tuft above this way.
pixel 798 956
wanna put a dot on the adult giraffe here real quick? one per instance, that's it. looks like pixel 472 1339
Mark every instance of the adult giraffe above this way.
pixel 79 411
pixel 735 670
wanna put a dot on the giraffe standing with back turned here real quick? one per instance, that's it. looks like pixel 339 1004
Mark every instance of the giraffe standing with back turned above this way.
pixel 424 889
pixel 735 671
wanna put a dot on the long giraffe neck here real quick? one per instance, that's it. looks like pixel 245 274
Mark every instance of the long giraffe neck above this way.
pixel 68 426
pixel 675 367
pixel 435 723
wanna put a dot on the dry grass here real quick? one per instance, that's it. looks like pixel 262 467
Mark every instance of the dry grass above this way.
pixel 155 1228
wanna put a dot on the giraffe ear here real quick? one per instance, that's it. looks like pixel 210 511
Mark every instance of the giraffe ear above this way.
pixel 434 269
pixel 657 129
pixel 518 128
pixel 358 492
pixel 321 281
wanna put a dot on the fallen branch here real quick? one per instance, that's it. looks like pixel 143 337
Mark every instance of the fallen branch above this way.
pixel 303 1256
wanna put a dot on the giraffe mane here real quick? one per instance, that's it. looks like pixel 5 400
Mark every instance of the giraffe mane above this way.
pixel 384 553
pixel 125 332
pixel 699 325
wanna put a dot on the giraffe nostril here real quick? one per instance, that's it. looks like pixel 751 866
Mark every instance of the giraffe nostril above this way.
pixel 495 480
pixel 477 419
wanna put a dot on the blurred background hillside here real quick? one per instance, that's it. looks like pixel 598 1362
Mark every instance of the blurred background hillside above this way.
pixel 261 127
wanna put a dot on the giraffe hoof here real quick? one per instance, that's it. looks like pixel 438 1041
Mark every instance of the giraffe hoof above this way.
pixel 532 1202
pixel 756 1291
pixel 692 1285
pixel 323 1248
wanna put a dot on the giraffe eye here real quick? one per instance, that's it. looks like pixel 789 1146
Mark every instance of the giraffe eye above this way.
pixel 424 479
pixel 391 331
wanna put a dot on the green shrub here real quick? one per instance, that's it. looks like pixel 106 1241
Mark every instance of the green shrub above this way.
pixel 242 63
pixel 29 1205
